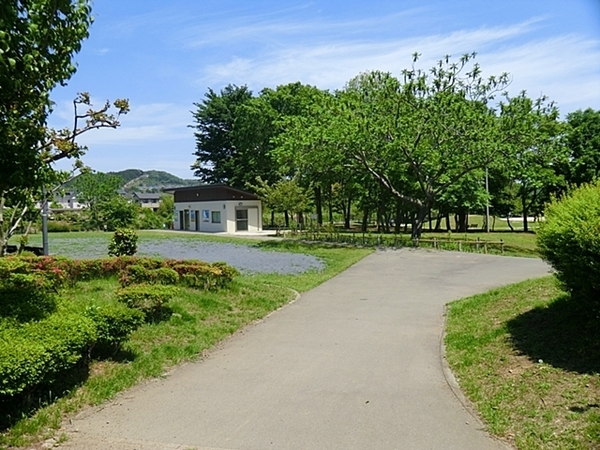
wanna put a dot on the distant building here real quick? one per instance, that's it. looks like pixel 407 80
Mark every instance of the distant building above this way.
pixel 61 202
pixel 216 208
pixel 147 200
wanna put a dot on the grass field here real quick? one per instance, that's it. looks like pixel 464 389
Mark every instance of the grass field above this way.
pixel 198 322
pixel 528 357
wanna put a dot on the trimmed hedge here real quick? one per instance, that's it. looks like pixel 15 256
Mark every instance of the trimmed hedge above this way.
pixel 569 240
pixel 35 352
pixel 192 273
pixel 150 299
pixel 136 274
pixel 114 323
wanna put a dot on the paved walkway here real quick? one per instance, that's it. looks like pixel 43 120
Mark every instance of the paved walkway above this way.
pixel 353 364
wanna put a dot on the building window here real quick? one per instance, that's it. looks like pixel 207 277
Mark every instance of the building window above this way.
pixel 216 216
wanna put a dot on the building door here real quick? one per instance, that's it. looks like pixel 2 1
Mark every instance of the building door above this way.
pixel 241 220
pixel 181 224
pixel 197 220
pixel 186 219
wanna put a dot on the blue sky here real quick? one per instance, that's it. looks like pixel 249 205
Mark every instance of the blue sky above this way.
pixel 164 55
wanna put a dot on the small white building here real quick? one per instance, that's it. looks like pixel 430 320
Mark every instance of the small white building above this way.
pixel 216 208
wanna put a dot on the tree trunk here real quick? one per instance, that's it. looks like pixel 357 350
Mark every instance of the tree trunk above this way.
pixel 319 205
pixel 509 224
pixel 525 213
pixel 462 222
pixel 438 221
pixel 347 214
pixel 398 219
pixel 329 205
pixel 417 227
pixel 448 227
pixel 272 217
pixel 287 219
pixel 365 221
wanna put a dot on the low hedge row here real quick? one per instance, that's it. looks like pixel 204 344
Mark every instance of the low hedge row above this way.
pixel 42 335
pixel 192 273
pixel 34 352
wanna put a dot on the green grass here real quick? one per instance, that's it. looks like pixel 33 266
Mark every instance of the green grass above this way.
pixel 199 321
pixel 528 357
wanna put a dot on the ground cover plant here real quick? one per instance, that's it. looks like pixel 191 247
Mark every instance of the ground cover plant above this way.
pixel 195 321
pixel 528 357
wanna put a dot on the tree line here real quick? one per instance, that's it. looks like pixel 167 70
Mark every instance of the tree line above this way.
pixel 401 149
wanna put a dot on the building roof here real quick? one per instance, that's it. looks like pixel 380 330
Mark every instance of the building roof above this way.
pixel 210 192
pixel 146 196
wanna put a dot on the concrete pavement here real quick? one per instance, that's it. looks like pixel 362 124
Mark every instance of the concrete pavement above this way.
pixel 353 364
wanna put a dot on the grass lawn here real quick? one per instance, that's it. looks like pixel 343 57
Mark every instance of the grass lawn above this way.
pixel 199 321
pixel 529 360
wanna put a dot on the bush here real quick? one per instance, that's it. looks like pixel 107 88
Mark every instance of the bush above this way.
pixel 34 352
pixel 26 295
pixel 150 299
pixel 137 274
pixel 198 274
pixel 114 323
pixel 123 243
pixel 569 240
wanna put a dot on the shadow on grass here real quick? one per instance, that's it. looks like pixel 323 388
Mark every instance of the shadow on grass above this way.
pixel 17 407
pixel 26 404
pixel 565 334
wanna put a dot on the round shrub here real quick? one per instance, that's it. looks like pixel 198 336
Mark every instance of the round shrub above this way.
pixel 569 240
pixel 123 243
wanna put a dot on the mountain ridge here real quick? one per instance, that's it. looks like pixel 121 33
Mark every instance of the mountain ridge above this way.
pixel 137 180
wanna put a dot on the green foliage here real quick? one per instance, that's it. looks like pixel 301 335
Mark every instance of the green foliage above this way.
pixel 583 143
pixel 37 41
pixel 150 299
pixel 114 323
pixel 118 212
pixel 123 243
pixel 136 274
pixel 569 240
pixel 200 275
pixel 35 352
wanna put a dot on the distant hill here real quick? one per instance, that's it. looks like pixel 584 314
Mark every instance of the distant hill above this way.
pixel 136 180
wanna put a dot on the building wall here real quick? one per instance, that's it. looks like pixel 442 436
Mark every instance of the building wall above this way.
pixel 199 216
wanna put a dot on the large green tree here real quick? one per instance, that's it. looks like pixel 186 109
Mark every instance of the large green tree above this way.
pixel 217 152
pixel 416 137
pixel 583 143
pixel 38 39
pixel 532 131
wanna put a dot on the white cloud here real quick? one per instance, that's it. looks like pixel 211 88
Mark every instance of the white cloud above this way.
pixel 562 67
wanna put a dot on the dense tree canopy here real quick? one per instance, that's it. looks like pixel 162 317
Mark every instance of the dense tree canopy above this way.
pixel 402 148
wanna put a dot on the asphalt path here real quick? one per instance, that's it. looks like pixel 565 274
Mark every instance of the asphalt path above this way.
pixel 356 363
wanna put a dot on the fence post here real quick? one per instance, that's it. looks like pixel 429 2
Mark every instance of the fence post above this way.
pixel 485 248
pixel 435 243
pixel 502 246
pixel 477 246
pixel 460 246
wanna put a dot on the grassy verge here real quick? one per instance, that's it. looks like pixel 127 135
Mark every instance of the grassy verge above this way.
pixel 199 321
pixel 528 357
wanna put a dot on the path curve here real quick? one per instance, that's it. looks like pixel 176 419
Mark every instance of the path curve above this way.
pixel 353 364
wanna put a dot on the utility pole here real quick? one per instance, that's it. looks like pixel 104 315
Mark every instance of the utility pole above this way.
pixel 44 221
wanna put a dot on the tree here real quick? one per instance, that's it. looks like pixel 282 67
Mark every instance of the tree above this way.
pixel 95 190
pixel 532 130
pixel 38 39
pixel 216 150
pixel 583 143
pixel 417 137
